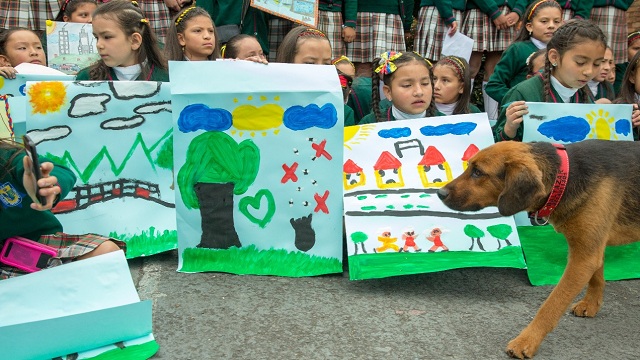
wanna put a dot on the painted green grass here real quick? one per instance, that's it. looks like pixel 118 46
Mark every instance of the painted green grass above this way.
pixel 148 242
pixel 250 260
pixel 546 252
pixel 133 352
pixel 371 266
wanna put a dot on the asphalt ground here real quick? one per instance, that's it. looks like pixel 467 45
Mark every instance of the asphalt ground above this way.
pixel 457 314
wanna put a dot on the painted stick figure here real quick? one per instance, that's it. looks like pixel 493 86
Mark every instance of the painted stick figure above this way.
pixel 434 237
pixel 409 237
pixel 387 241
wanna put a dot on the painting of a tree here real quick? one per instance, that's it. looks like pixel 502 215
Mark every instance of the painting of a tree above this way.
pixel 475 234
pixel 215 169
pixel 500 232
pixel 164 159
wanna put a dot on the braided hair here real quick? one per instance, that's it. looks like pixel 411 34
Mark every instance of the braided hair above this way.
pixel 130 20
pixel 568 36
pixel 404 59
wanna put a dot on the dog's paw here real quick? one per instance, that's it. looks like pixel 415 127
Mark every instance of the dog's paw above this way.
pixel 584 308
pixel 522 347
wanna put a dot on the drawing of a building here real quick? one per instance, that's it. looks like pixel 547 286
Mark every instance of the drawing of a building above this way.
pixel 388 171
pixel 471 150
pixel 352 175
pixel 85 43
pixel 433 169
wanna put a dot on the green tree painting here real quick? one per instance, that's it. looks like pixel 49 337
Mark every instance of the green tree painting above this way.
pixel 215 169
pixel 500 232
pixel 475 234
pixel 164 159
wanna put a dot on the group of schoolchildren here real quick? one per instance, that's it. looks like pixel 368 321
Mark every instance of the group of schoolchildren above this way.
pixel 551 60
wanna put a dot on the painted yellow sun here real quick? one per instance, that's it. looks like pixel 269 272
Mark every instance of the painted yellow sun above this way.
pixel 252 119
pixel 354 135
pixel 47 96
pixel 602 125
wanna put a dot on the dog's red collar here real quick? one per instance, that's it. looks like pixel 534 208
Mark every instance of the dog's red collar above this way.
pixel 558 187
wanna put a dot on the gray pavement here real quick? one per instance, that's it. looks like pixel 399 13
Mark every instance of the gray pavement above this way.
pixel 456 314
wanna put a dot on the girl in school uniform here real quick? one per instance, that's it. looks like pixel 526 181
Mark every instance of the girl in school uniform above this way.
pixel 633 46
pixel 630 90
pixel 407 86
pixel 346 74
pixel 452 86
pixel 574 55
pixel 489 23
pixel 541 20
pixel 19 46
pixel 601 89
pixel 127 45
pixel 192 36
pixel 244 47
pixel 435 19
pixel 23 215
pixel 77 11
pixel 382 25
pixel 337 19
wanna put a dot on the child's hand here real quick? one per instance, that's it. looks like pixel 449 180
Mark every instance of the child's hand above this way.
pixel 453 28
pixel 348 34
pixel 49 187
pixel 257 58
pixel 514 114
pixel 501 22
pixel 512 18
pixel 8 72
pixel 635 116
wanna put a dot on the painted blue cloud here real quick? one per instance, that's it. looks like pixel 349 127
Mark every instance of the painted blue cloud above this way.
pixel 463 128
pixel 201 117
pixel 623 126
pixel 394 133
pixel 303 117
pixel 567 128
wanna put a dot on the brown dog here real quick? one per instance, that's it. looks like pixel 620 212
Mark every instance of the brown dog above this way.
pixel 599 207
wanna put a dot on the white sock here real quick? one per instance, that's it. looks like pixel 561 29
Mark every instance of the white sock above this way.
pixel 490 105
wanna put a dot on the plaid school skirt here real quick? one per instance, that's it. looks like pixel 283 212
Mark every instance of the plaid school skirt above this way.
pixel 567 14
pixel 69 248
pixel 431 30
pixel 159 16
pixel 27 14
pixel 478 26
pixel 375 34
pixel 278 28
pixel 330 23
pixel 613 22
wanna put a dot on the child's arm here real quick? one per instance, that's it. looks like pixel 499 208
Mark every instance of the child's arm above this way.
pixel 582 8
pixel 8 72
pixel 509 125
pixel 504 72
pixel 445 10
pixel 635 116
pixel 55 183
pixel 350 13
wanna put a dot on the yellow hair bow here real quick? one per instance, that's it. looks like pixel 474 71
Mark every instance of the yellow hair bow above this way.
pixel 387 66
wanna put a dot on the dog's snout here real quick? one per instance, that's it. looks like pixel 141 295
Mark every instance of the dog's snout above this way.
pixel 443 193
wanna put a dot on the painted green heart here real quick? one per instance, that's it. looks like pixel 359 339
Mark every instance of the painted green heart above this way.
pixel 256 203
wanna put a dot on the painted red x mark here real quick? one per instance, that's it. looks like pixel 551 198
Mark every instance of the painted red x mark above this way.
pixel 289 173
pixel 322 202
pixel 319 148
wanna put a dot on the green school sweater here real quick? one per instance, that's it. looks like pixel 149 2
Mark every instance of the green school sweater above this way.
pixel 531 90
pixel 510 70
pixel 348 116
pixel 227 12
pixel 445 8
pixel 385 111
pixel 620 70
pixel 404 8
pixel 16 216
pixel 619 4
pixel 491 7
pixel 156 75
pixel 349 9
pixel 360 97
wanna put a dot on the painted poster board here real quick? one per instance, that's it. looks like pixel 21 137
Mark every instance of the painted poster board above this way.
pixel 116 137
pixel 568 123
pixel 91 314
pixel 303 12
pixel 395 222
pixel 257 163
pixel 71 47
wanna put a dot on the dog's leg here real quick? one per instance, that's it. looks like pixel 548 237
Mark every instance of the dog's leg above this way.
pixel 582 265
pixel 592 301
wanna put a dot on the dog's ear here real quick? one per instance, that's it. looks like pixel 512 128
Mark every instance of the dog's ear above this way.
pixel 522 187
